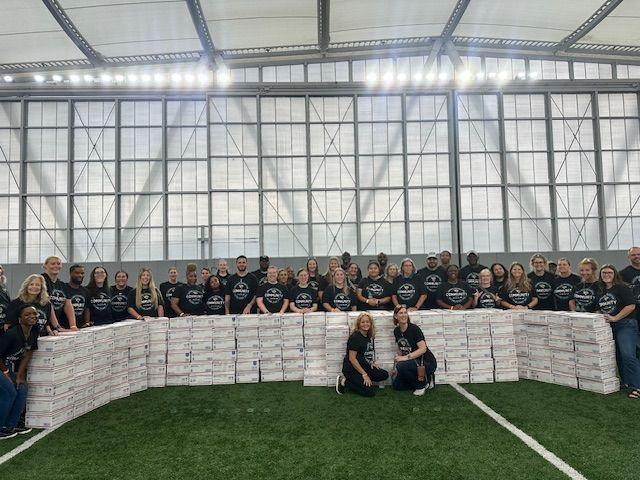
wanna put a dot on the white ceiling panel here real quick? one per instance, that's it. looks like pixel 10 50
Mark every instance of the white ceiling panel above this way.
pixel 134 28
pixel 355 20
pixel 28 33
pixel 543 20
pixel 266 23
pixel 620 27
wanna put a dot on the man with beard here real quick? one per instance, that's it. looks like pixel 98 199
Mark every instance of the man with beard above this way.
pixel 75 307
pixel 631 275
pixel 261 273
pixel 471 273
pixel 240 294
pixel 432 277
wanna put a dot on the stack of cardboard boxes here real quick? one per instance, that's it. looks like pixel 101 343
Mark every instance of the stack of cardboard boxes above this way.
pixel 157 358
pixel 270 335
pixel 292 346
pixel 315 350
pixel 179 351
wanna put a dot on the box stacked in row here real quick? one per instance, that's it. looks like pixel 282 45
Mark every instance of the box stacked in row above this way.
pixel 567 348
pixel 315 350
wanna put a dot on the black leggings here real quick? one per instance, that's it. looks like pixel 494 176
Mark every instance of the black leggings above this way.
pixel 355 382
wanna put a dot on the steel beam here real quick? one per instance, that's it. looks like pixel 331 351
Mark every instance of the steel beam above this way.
pixel 323 25
pixel 454 19
pixel 589 24
pixel 200 24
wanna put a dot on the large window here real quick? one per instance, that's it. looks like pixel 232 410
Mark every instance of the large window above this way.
pixel 10 152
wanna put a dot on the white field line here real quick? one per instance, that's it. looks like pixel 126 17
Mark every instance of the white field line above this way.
pixel 26 445
pixel 528 440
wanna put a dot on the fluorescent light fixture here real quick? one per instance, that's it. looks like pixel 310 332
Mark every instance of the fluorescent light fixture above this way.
pixel 8 78
pixel 503 76
pixel 388 77
pixel 480 76
pixel 521 75
pixel 57 78
pixel 431 76
pixel 38 78
pixel 106 78
pixel 464 76
pixel 533 75
pixel 158 78
pixel 442 76
pixel 119 78
pixel 417 77
pixel 402 77
pixel 145 78
pixel 189 78
pixel 372 78
pixel 176 77
pixel 223 75
pixel 73 78
pixel 88 78
pixel 203 77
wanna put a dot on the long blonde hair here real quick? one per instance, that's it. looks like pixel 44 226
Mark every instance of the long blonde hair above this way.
pixel 372 331
pixel 23 294
pixel 523 285
pixel 346 289
pixel 328 276
pixel 152 289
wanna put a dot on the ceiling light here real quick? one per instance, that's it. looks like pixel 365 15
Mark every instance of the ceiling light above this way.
pixel 223 75
pixel 533 75
pixel 106 78
pixel 189 78
pixel 431 76
pixel 73 78
pixel 88 78
pixel 8 78
pixel 38 78
pixel 443 76
pixel 402 77
pixel 57 78
pixel 372 78
pixel 464 76
pixel 480 76
pixel 203 77
pixel 521 75
pixel 158 78
pixel 119 78
pixel 145 78
pixel 491 75
pixel 417 77
pixel 503 75
pixel 388 77
pixel 176 78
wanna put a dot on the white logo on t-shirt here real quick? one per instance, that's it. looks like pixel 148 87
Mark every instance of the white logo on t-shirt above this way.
pixel 194 296
pixel 608 303
pixel 240 290
pixel 456 295
pixel 273 295
pixel 406 291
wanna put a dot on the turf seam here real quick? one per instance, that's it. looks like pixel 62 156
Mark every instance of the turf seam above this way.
pixel 550 457
pixel 26 445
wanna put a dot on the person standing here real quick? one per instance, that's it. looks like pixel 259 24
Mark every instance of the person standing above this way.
pixel 354 277
pixel 432 277
pixel 518 293
pixel 55 287
pixel 315 279
pixel 120 296
pixel 223 272
pixel 445 260
pixel 213 299
pixel 415 364
pixel 499 273
pixel 470 273
pixel 75 307
pixel 564 287
pixel 616 302
pixel 16 348
pixel 240 294
pixel 205 273
pixel 33 291
pixel 339 296
pixel 187 299
pixel 145 301
pixel 261 273
pixel 585 292
pixel 383 261
pixel 374 292
pixel 408 288
pixel 99 311
pixel 541 282
pixel 346 265
pixel 272 297
pixel 631 275
pixel 486 295
pixel 359 369
pixel 454 294
pixel 5 299
pixel 168 289
pixel 302 297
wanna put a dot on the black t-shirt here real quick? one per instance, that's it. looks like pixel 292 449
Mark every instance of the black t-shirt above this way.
pixel 100 306
pixel 213 301
pixel 317 282
pixel 500 283
pixel 79 298
pixel 223 280
pixel 241 291
pixel 57 296
pixel 454 294
pixel 13 346
pixel 563 290
pixel 378 288
pixel 543 289
pixel 471 275
pixel 44 314
pixel 190 298
pixel 338 299
pixel 515 296
pixel 408 340
pixel 146 308
pixel 487 298
pixel 431 281
pixel 261 277
pixel 273 296
pixel 586 297
pixel 613 300
pixel 303 297
pixel 4 304
pixel 408 290
pixel 120 302
pixel 363 346
pixel 168 289
pixel 631 276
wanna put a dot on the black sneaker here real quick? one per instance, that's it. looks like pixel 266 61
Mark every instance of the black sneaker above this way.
pixel 6 433
pixel 22 430
pixel 339 385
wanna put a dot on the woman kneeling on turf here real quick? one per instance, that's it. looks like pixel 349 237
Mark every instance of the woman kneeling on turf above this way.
pixel 415 364
pixel 359 369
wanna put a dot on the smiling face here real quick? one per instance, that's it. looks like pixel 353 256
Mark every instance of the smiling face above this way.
pixel 607 275
pixel 121 279
pixel 192 277
pixel 452 273
pixel 272 275
pixel 498 271
pixel 339 277
pixel 393 271
pixel 34 287
pixel 634 256
pixel 99 275
pixel 77 275
pixel 145 278
pixel 472 258
pixel 485 278
pixel 29 316
pixel 538 265
pixel 407 268
pixel 445 258
pixel 587 273
pixel 52 266
pixel 364 324
pixel 303 277
pixel 312 267
pixel 223 267
pixel 204 275
pixel 214 282
pixel 564 268
pixel 333 264
pixel 353 269
pixel 432 263
pixel 241 264
pixel 283 277
pixel 402 316
pixel 516 272
pixel 374 270
pixel 173 275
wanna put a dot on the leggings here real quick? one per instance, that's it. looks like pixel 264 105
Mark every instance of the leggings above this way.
pixel 355 382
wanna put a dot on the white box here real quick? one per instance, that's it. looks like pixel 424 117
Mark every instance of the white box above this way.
pixel 506 375
pixel 176 369
pixel 478 341
pixel 269 320
pixel 157 359
pixel 539 340
pixel 290 364
pixel 311 341
pixel 244 355
pixel 200 379
pixel 540 364
pixel 479 329
pixel 200 368
pixel 244 322
pixel 610 386
pixel 248 366
pixel 566 380
pixel 224 333
pixel 120 391
pixel 224 355
pixel 293 376
pixel 248 343
pixel 503 341
pixel 224 367
pixel 604 348
pixel 480 353
pixel 522 350
pixel 536 351
pixel 457 365
pixel 49 404
pixel 456 342
pixel 481 376
pixel 201 334
pixel 138 350
pixel 203 356
pixel 564 368
pixel 178 357
pixel 293 353
pixel 271 354
pixel 50 375
pixel 204 322
pixel 291 320
pixel 540 375
pixel 135 363
pixel 158 336
pixel 433 330
pixel 457 377
pixel 159 323
pixel 35 420
pixel 271 375
pixel 180 323
pixel 222 344
pixel 563 356
pixel 245 333
pixel 605 360
pixel 247 377
pixel 315 330
pixel 500 351
pixel 175 380
pixel 138 386
pixel 455 330
pixel 156 370
pixel 224 321
pixel 591 321
pixel 505 363
pixel 593 336
pixel 201 346
pixel 267 343
pixel 224 378
pixel 456 354
pixel 297 342
pixel 597 374
pixel 561 332
pixel 485 364
pixel 561 344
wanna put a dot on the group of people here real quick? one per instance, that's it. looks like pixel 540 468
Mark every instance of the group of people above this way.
pixel 46 305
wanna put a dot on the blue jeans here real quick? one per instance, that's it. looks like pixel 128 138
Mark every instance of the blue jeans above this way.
pixel 407 373
pixel 625 333
pixel 13 399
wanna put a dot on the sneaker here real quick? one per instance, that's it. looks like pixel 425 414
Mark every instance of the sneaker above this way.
pixel 419 392
pixel 431 384
pixel 22 430
pixel 6 433
pixel 339 384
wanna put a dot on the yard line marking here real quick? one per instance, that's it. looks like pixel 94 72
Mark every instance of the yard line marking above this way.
pixel 528 440
pixel 28 444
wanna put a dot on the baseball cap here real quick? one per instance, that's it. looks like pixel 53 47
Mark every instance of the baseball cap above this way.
pixel 432 255
pixel 264 258
pixel 472 252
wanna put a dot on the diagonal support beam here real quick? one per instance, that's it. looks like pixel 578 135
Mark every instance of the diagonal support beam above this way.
pixel 73 33
pixel 323 25
pixel 454 19
pixel 453 54
pixel 589 24
pixel 200 24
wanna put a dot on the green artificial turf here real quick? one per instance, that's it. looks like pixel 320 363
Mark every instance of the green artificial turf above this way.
pixel 10 444
pixel 598 435
pixel 281 430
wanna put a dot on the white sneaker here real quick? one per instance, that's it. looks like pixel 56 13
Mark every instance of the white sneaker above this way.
pixel 419 392
pixel 340 384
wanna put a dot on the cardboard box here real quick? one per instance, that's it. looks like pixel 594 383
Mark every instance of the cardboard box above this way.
pixel 291 365
pixel 610 386
pixel 593 336
pixel 224 333
pixel 506 375
pixel 138 386
pixel 119 367
pixel 244 355
pixel 481 376
pixel 482 364
pixel 479 329
pixel 522 350
pixel 503 341
pixel 220 344
pixel 538 340
pixel 536 351
pixel 243 322
pixel 596 374
pixel 246 333
pixel 436 330
pixel 248 343
pixel 502 329
pixel 457 365
pixel 267 343
pixel 50 375
pixel 119 391
pixel 201 346
pixel 178 369
pixel 271 375
pixel 200 368
pixel 457 377
pixel 247 377
pixel 561 344
pixel 455 330
pixel 248 366
pixel 563 356
pixel 315 364
pixel 271 354
pixel 224 378
pixel 600 361
pixel 457 342
pixel 157 358
pixel 297 342
pixel 294 353
pixel 540 330
pixel 36 420
pixel 604 348
pixel 178 346
pixel 202 322
pixel 224 355
pixel 176 380
pixel 156 370
pixel 314 330
pixel 200 379
pixel 292 320
pixel 456 354
pixel 591 321
pixel 180 323
pixel 269 320
pixel 202 335
pixel 505 363
pixel 500 351
pixel 178 357
pixel 49 404
pixel 540 364
pixel 540 375
pixel 563 368
pixel 473 341
pixel 480 353
pixel 158 336
pixel 561 332
pixel 294 376
pixel 138 350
